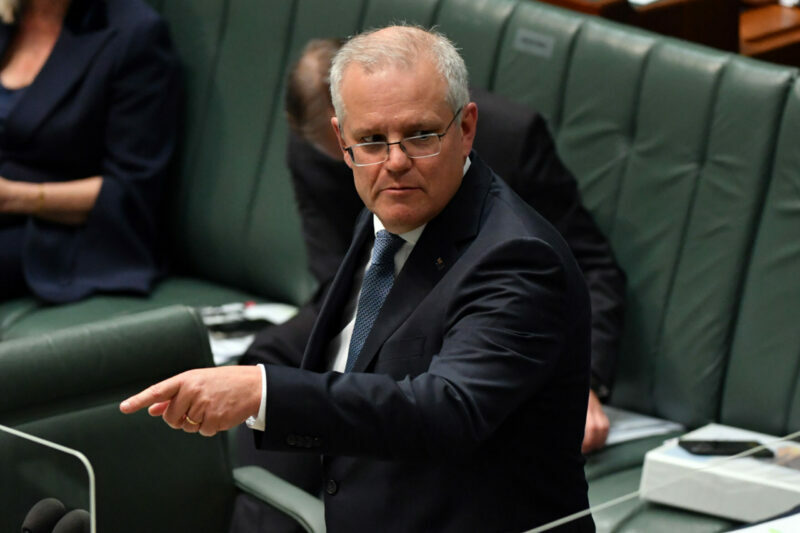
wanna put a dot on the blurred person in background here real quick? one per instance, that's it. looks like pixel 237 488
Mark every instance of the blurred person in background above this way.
pixel 89 95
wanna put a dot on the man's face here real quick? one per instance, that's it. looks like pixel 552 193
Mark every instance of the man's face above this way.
pixel 389 105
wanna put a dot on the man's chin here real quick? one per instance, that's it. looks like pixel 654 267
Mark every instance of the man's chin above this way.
pixel 401 224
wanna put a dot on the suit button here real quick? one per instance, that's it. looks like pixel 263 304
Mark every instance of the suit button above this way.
pixel 331 487
pixel 291 440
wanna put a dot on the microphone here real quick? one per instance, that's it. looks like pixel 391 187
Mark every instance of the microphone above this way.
pixel 43 516
pixel 75 521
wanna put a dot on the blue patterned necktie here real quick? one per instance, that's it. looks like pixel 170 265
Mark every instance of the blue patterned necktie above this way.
pixel 377 283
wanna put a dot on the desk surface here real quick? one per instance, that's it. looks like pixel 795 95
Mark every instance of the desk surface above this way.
pixel 769 28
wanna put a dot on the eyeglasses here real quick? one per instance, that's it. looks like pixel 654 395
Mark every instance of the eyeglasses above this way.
pixel 416 147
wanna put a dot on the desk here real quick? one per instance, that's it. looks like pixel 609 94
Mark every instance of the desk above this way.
pixel 771 33
pixel 710 22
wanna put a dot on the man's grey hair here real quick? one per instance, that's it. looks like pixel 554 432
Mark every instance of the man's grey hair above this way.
pixel 9 10
pixel 402 47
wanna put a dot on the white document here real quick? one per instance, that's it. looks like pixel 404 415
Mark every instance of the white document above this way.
pixel 627 425
pixel 227 347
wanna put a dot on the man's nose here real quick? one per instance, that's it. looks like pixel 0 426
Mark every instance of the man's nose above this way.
pixel 398 159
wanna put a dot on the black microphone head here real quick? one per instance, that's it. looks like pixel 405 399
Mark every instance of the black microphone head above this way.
pixel 75 521
pixel 43 516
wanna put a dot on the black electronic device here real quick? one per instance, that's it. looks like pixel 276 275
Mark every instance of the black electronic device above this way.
pixel 724 447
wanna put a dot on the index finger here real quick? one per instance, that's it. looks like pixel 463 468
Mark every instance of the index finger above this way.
pixel 160 392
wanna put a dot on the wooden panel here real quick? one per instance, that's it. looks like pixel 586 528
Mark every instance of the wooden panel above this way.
pixel 771 33
pixel 713 23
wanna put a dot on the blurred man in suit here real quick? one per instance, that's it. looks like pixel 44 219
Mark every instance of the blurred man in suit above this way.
pixel 446 378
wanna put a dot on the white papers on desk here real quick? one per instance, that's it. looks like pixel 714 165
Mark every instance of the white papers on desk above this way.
pixel 642 2
pixel 226 347
pixel 275 313
pixel 627 425
pixel 228 350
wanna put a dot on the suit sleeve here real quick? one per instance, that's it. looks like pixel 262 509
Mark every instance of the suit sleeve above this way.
pixel 140 139
pixel 543 181
pixel 504 333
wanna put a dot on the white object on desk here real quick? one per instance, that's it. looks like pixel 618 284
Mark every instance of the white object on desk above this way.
pixel 745 489
pixel 642 2
pixel 226 348
pixel 627 425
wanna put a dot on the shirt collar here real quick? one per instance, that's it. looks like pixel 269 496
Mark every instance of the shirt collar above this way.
pixel 409 236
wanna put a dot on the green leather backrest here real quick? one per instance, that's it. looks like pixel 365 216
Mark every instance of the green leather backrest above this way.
pixel 235 54
pixel 672 145
pixel 272 206
pixel 66 387
pixel 476 27
pixel 762 389
pixel 381 12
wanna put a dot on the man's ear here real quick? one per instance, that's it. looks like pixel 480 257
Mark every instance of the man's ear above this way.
pixel 335 125
pixel 469 124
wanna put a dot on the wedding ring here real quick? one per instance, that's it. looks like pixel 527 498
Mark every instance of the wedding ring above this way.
pixel 192 422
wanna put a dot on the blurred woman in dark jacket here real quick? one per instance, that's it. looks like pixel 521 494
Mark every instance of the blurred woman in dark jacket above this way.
pixel 88 118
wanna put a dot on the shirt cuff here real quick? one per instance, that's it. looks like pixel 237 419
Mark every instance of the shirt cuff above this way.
pixel 259 421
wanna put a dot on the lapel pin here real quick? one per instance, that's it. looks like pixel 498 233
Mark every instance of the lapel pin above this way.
pixel 439 263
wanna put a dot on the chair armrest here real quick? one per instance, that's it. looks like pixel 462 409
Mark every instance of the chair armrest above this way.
pixel 307 510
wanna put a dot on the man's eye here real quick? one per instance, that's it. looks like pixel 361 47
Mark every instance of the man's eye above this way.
pixel 372 139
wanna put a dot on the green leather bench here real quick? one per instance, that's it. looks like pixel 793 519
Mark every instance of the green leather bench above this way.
pixel 687 157
pixel 66 386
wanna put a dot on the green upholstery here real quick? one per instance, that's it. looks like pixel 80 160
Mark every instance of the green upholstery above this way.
pixel 673 148
pixel 762 388
pixel 534 58
pixel 477 29
pixel 28 319
pixel 66 387
pixel 634 515
pixel 381 12
pixel 244 101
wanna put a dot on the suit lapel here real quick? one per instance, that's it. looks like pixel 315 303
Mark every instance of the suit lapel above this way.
pixel 72 54
pixel 328 322
pixel 439 247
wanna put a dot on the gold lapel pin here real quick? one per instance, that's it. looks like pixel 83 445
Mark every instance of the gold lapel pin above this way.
pixel 439 263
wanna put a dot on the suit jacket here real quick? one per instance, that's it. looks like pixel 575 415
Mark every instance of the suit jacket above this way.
pixel 466 407
pixel 517 145
pixel 105 103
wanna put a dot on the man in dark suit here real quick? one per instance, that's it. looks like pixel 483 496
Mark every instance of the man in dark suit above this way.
pixel 515 142
pixel 463 336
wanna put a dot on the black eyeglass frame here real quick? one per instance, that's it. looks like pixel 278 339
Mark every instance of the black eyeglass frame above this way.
pixel 349 149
